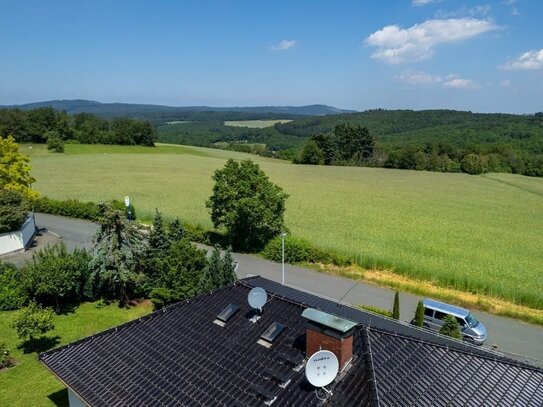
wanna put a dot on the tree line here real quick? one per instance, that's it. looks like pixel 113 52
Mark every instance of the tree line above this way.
pixel 47 125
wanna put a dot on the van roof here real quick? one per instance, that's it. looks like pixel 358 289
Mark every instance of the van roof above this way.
pixel 447 308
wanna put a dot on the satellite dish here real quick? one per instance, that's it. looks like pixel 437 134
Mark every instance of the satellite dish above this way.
pixel 321 368
pixel 257 297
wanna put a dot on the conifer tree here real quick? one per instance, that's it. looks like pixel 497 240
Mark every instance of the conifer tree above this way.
pixel 396 307
pixel 419 314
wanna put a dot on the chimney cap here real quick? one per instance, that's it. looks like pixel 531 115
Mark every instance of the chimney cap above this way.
pixel 332 321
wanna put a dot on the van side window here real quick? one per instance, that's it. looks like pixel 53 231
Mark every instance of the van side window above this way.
pixel 428 312
pixel 461 322
pixel 440 315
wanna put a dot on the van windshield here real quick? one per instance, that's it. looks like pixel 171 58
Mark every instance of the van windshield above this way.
pixel 472 321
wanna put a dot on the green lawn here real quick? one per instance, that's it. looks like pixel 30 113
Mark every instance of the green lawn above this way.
pixel 475 233
pixel 29 383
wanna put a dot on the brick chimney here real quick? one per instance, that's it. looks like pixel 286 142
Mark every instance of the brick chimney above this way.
pixel 329 332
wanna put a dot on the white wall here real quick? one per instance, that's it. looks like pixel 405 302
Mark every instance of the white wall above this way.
pixel 74 401
pixel 10 242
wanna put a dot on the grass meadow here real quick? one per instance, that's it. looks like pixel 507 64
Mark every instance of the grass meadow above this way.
pixel 475 233
pixel 29 383
pixel 255 124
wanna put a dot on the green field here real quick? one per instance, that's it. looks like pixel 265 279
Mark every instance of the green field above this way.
pixel 29 383
pixel 255 124
pixel 475 233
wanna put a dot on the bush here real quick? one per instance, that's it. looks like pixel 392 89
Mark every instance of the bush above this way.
pixel 56 275
pixel 160 297
pixel 54 142
pixel 296 250
pixel 396 307
pixel 472 164
pixel 73 208
pixel 12 291
pixel 450 327
pixel 5 359
pixel 13 210
pixel 33 321
pixel 419 315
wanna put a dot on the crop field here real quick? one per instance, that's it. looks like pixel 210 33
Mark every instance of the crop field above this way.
pixel 475 233
pixel 256 124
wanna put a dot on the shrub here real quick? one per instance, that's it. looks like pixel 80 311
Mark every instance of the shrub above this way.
pixel 396 306
pixel 450 327
pixel 296 250
pixel 12 291
pixel 73 208
pixel 54 142
pixel 13 210
pixel 160 297
pixel 377 310
pixel 5 359
pixel 33 321
pixel 56 275
pixel 472 164
pixel 419 314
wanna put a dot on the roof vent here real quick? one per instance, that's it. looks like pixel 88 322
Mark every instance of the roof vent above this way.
pixel 226 314
pixel 273 331
pixel 329 332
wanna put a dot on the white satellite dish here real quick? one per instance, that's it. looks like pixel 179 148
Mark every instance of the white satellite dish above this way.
pixel 257 297
pixel 321 369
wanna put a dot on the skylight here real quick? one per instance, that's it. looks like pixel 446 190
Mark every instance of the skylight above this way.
pixel 273 331
pixel 228 312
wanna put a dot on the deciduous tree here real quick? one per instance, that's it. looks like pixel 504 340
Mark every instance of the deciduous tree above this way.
pixel 247 204
pixel 14 169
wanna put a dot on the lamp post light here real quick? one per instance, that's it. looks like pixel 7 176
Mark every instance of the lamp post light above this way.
pixel 283 257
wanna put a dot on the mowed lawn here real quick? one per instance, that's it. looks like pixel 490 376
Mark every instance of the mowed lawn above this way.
pixel 29 383
pixel 476 233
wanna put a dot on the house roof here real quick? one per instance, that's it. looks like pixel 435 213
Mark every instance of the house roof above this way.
pixel 179 356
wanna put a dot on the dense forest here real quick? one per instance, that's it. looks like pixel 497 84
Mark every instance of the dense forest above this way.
pixel 45 124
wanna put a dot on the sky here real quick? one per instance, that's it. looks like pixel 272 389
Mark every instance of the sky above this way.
pixel 482 56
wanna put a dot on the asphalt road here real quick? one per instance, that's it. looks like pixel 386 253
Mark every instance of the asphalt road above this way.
pixel 518 339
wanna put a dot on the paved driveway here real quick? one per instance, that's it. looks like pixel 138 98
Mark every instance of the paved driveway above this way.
pixel 509 335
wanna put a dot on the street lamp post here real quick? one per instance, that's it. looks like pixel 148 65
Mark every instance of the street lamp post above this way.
pixel 283 258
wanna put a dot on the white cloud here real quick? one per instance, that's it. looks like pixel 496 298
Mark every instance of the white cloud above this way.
pixel 505 83
pixel 454 81
pixel 530 60
pixel 284 45
pixel 422 2
pixel 423 78
pixel 396 45
pixel 417 78
pixel 482 11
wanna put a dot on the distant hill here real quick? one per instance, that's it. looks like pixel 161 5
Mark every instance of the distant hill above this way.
pixel 109 110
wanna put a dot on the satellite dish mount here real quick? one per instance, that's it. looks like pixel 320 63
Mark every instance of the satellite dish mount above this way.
pixel 321 369
pixel 257 298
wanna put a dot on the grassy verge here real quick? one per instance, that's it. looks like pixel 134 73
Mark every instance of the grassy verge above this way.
pixel 29 383
pixel 469 300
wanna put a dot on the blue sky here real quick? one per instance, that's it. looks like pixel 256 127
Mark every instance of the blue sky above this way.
pixel 412 54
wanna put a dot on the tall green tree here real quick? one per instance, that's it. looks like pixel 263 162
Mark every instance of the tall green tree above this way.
pixel 118 249
pixel 220 270
pixel 396 306
pixel 419 314
pixel 14 169
pixel 247 204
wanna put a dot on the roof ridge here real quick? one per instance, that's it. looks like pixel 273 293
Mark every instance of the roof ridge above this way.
pixel 497 356
pixel 369 367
